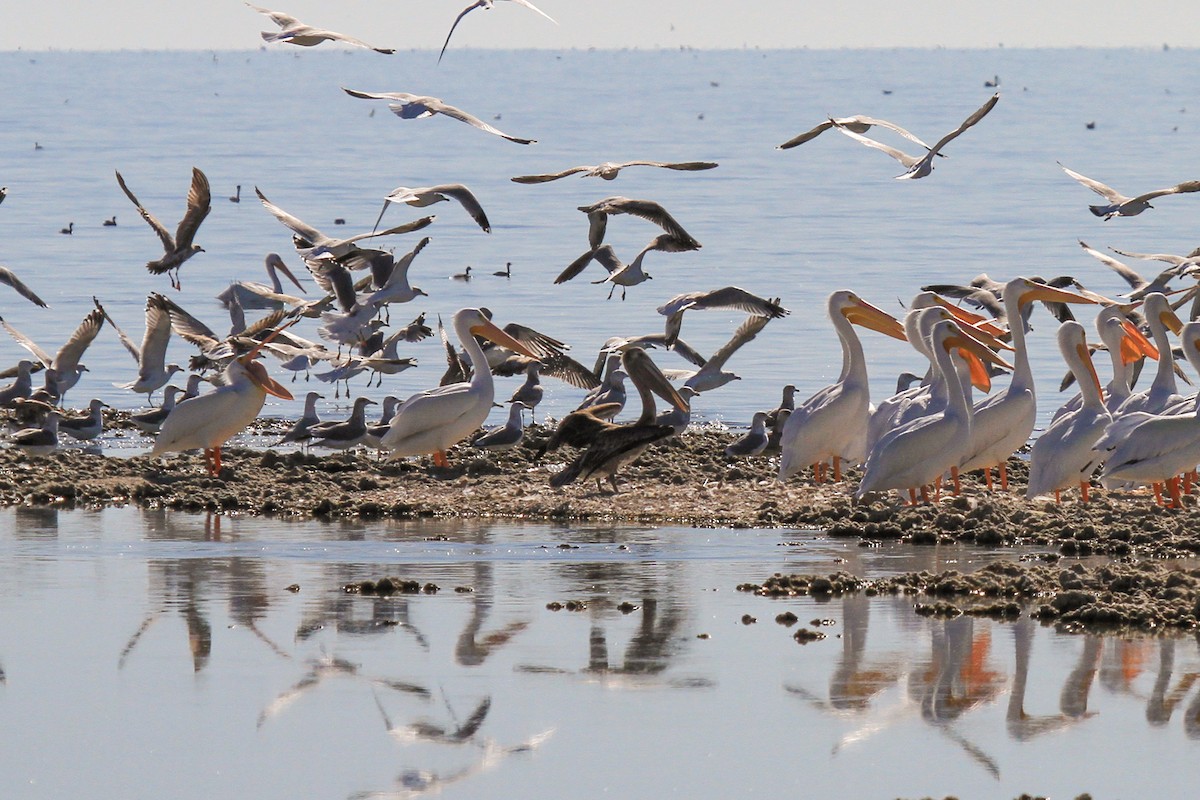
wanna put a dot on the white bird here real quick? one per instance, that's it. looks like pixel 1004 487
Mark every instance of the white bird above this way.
pixel 755 440
pixel 180 247
pixel 920 166
pixel 208 421
pixel 428 195
pixel 1140 286
pixel 1004 421
pixel 1063 455
pixel 413 106
pixel 9 278
pixel 87 427
pixel 1126 345
pixel 857 123
pixel 63 368
pixel 311 243
pixel 435 419
pixel 153 371
pixel 293 31
pixel 728 297
pixel 255 295
pixel 1121 206
pixel 488 4
pixel 1164 390
pixel 832 424
pixel 506 436
pixel 609 170
pixel 713 374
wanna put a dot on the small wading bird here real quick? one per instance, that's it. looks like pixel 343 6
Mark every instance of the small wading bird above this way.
pixel 487 4
pixel 412 106
pixel 293 31
pixel 180 247
pixel 1121 206
pixel 609 170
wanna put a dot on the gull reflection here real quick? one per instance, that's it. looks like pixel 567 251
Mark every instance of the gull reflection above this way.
pixel 328 666
pixel 472 648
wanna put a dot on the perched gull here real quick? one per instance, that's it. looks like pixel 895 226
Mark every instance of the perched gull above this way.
pixel 179 248
pixel 150 421
pixel 311 243
pixel 412 106
pixel 343 434
pixel 858 124
pixel 293 31
pixel 8 278
pixel 153 371
pixel 1121 206
pixel 728 297
pixel 299 432
pixel 87 427
pixel 486 4
pixel 21 387
pixel 507 436
pixel 428 195
pixel 609 170
pixel 755 440
pixel 39 441
pixel 920 166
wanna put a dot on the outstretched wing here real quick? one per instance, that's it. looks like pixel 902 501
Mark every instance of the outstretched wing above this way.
pixel 163 233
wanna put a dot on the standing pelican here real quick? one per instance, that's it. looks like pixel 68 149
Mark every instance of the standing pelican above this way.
pixel 209 420
pixel 1063 455
pixel 1119 205
pixel 180 247
pixel 1163 389
pixel 832 424
pixel 487 4
pixel 433 420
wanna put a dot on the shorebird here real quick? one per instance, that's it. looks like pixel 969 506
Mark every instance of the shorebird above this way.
pixel 413 106
pixel 63 370
pixel 729 297
pixel 293 31
pixel 610 169
pixel 1121 206
pixel 428 195
pixel 87 427
pixel 153 371
pixel 488 5
pixel 9 278
pixel 311 243
pixel 180 247
pixel 858 124
pixel 920 166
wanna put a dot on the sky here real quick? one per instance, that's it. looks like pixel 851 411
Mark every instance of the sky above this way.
pixel 422 24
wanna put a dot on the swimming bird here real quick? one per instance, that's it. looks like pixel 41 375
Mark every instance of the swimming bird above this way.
pixel 236 197
pixel 857 123
pixel 728 297
pixel 70 229
pixel 111 222
pixel 151 421
pixel 1121 206
pixel 3 193
pixel 343 434
pixel 413 106
pixel 299 432
pixel 504 273
pixel 487 4
pixel 207 421
pixel 293 31
pixel 1064 454
pixel 832 424
pixel 433 420
pixel 63 370
pixel 39 441
pixel 9 278
pixel 311 243
pixel 151 357
pixel 610 169
pixel 755 440
pixel 87 427
pixel 920 166
pixel 465 275
pixel 180 247
pixel 506 436
pixel 428 195
pixel 251 294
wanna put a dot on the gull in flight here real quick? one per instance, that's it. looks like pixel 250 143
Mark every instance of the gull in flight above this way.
pixel 728 297
pixel 486 4
pixel 428 195
pixel 311 243
pixel 413 106
pixel 858 124
pixel 9 278
pixel 179 248
pixel 293 31
pixel 151 357
pixel 920 166
pixel 63 369
pixel 609 170
pixel 1121 206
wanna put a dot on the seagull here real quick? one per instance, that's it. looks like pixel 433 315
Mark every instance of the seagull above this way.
pixel 9 278
pixel 599 212
pixel 858 124
pixel 1121 206
pixel 150 421
pixel 486 4
pixel 311 243
pixel 153 371
pixel 755 440
pixel 65 363
pixel 21 387
pixel 343 434
pixel 39 441
pixel 919 167
pixel 87 427
pixel 712 375
pixel 1140 285
pixel 179 248
pixel 293 31
pixel 729 297
pixel 412 106
pixel 428 195
pixel 609 170
pixel 299 432
pixel 507 436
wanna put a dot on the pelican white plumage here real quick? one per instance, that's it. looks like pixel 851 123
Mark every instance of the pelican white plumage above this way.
pixel 414 106
pixel 1126 345
pixel 1119 205
pixel 610 169
pixel 832 424
pixel 428 195
pixel 180 247
pixel 486 4
pixel 433 420
pixel 1003 422
pixel 293 31
pixel 1063 455
pixel 151 357
pixel 255 295
pixel 1164 390
pixel 208 421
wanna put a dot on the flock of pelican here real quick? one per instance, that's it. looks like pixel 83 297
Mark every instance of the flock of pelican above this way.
pixel 932 430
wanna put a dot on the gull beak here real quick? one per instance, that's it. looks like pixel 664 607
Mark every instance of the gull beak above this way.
pixel 860 312
pixel 489 331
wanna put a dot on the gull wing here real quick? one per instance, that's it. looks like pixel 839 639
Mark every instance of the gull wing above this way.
pixel 468 201
pixel 30 345
pixel 904 158
pixel 1127 273
pixel 1187 186
pixel 578 265
pixel 646 209
pixel 163 233
pixel 1107 192
pixel 278 17
pixel 532 7
pixel 295 224
pixel 807 136
pixel 439 107
pixel 129 344
pixel 970 121
pixel 550 176
pixel 69 354
pixel 686 166
pixel 457 20
pixel 199 203
pixel 7 276
pixel 745 332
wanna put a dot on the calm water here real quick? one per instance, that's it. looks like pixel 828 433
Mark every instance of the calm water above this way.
pixel 796 224
pixel 150 654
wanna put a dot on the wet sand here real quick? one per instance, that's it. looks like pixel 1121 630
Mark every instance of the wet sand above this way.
pixel 689 481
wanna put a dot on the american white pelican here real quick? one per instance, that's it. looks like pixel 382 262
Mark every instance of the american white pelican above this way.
pixel 252 294
pixel 1126 345
pixel 87 427
pixel 293 31
pixel 920 166
pixel 487 4
pixel 1121 206
pixel 180 247
pixel 609 170
pixel 435 419
pixel 209 420
pixel 9 278
pixel 1164 390
pixel 916 454
pixel 1063 455
pixel 832 424
pixel 414 106
pixel 153 371
pixel 63 370
pixel 858 124
pixel 1003 421
pixel 428 195
pixel 1162 447
pixel 728 297
pixel 755 440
